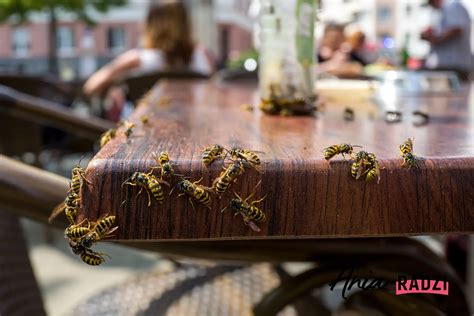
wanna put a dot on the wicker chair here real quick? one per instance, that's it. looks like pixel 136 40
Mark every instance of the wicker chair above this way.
pixel 19 293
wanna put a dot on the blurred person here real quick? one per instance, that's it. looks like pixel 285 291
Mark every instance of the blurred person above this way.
pixel 335 54
pixel 167 45
pixel 356 43
pixel 449 38
pixel 331 42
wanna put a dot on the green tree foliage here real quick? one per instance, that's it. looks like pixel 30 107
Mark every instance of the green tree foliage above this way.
pixel 19 11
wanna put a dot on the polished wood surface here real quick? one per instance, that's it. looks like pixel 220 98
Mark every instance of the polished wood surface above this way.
pixel 306 197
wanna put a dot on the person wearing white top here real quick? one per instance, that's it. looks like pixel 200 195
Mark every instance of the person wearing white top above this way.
pixel 450 38
pixel 153 59
pixel 167 45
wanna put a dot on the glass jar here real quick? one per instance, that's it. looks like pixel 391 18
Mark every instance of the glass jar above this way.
pixel 287 54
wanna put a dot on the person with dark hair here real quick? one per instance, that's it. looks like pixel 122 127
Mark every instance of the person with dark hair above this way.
pixel 167 44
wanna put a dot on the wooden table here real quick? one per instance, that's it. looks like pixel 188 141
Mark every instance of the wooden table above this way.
pixel 306 197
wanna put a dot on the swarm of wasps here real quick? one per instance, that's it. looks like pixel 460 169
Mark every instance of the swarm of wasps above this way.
pixel 365 163
pixel 239 158
pixel 285 101
pixel 82 236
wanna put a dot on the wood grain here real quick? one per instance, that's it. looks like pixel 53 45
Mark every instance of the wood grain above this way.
pixel 306 197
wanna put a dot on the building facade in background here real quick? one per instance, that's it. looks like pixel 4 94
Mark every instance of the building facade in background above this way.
pixel 79 47
pixel 220 25
pixel 223 26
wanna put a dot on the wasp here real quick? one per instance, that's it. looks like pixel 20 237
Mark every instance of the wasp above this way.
pixel 107 136
pixel 358 166
pixel 373 172
pixel 164 163
pixel 88 256
pixel 121 123
pixel 92 258
pixel 371 166
pixel 75 232
pixel 361 156
pixel 365 164
pixel 195 191
pixel 331 151
pixel 129 130
pixel 148 182
pixel 70 207
pixel 348 114
pixel 406 147
pixel 144 119
pixel 102 229
pixel 246 107
pixel 76 174
pixel 164 100
pixel 251 214
pixel 211 153
pixel 139 179
pixel 156 189
pixel 247 155
pixel 229 175
pixel 406 152
pixel 268 106
pixel 409 160
pixel 356 169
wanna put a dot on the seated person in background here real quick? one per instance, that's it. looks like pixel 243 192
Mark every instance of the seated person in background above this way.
pixel 356 42
pixel 331 42
pixel 167 45
pixel 334 54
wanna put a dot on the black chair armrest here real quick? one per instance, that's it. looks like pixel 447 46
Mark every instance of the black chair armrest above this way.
pixel 49 113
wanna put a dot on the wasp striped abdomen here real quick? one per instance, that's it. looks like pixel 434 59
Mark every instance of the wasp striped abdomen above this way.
pixel 156 189
pixel 406 147
pixel 92 258
pixel 356 170
pixel 105 224
pixel 331 151
pixel 255 214
pixel 202 197
pixel 222 183
pixel 211 153
pixel 102 228
pixel 195 191
pixel 76 232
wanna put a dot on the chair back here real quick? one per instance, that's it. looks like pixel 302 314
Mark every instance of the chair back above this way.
pixel 139 83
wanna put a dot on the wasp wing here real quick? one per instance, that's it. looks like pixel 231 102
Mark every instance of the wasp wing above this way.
pixel 56 211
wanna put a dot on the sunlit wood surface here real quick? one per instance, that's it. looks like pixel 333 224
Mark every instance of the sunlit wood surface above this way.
pixel 306 197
